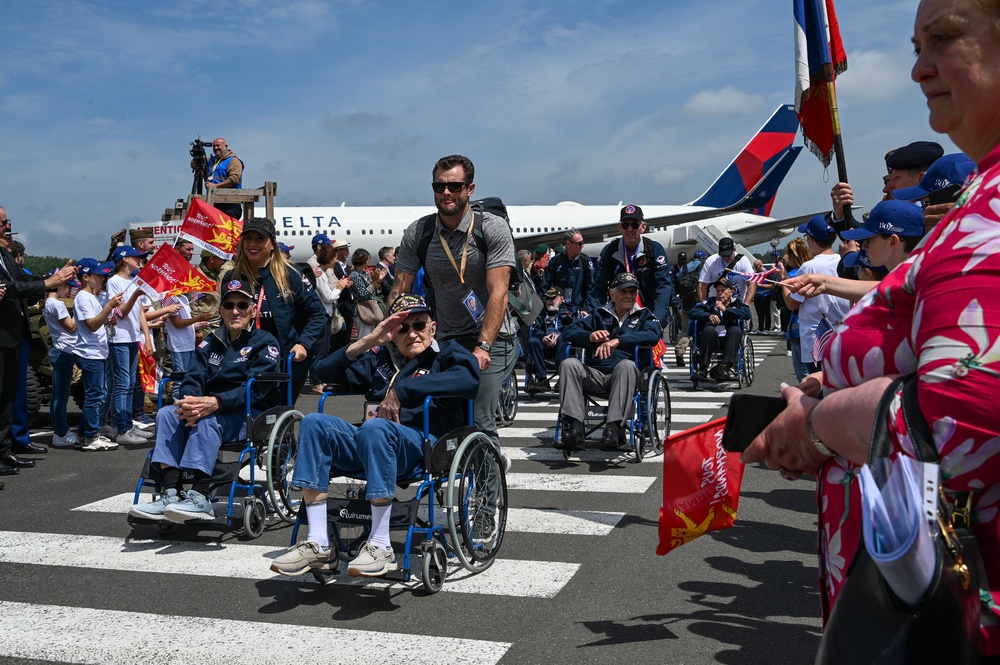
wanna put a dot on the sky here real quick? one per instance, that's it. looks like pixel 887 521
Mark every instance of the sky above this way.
pixel 353 102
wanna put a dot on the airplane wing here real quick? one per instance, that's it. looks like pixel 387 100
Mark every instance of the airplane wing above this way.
pixel 787 224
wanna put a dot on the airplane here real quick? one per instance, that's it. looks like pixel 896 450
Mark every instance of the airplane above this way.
pixel 735 205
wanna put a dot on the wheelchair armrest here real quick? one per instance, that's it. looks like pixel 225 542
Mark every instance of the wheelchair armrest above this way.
pixel 271 377
pixel 175 376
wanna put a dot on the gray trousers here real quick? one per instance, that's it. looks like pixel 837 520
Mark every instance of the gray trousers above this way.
pixel 576 380
pixel 503 355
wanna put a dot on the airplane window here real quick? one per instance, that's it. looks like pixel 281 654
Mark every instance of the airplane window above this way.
pixel 348 232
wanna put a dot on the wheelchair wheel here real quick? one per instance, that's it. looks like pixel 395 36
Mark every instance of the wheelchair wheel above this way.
pixel 477 502
pixel 657 412
pixel 282 447
pixel 254 516
pixel 746 362
pixel 435 566
pixel 507 406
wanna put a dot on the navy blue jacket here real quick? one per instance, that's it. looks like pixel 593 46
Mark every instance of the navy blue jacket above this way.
pixel 651 268
pixel 451 371
pixel 575 278
pixel 638 328
pixel 731 317
pixel 299 320
pixel 222 368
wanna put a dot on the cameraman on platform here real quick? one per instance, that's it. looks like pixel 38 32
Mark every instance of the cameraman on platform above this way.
pixel 225 169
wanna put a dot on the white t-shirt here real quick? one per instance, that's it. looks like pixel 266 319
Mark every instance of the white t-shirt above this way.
pixel 714 268
pixel 128 328
pixel 812 309
pixel 180 339
pixel 90 344
pixel 54 312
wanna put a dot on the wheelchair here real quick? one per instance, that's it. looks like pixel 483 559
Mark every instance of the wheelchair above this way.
pixel 507 406
pixel 244 498
pixel 745 356
pixel 460 497
pixel 650 422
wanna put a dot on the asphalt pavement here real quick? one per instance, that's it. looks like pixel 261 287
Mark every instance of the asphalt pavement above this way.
pixel 577 580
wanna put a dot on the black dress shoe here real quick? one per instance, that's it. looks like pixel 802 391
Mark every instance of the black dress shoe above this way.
pixel 7 470
pixel 12 460
pixel 30 449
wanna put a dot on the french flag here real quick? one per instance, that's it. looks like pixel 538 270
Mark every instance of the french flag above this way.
pixel 817 44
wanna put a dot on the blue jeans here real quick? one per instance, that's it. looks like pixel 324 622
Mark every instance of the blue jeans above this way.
pixel 380 449
pixel 180 361
pixel 93 395
pixel 125 365
pixel 183 447
pixel 62 376
pixel 800 367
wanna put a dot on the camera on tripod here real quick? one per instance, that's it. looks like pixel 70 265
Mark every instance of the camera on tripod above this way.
pixel 199 164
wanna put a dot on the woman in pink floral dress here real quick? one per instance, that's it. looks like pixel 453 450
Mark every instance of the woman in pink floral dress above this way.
pixel 936 315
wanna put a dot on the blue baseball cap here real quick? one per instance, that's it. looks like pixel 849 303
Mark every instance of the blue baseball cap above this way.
pixel 73 283
pixel 321 239
pixel 700 254
pixel 860 259
pixel 125 250
pixel 94 267
pixel 948 171
pixel 285 248
pixel 818 228
pixel 902 218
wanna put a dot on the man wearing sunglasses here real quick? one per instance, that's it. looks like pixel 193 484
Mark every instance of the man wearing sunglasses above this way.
pixel 212 408
pixel 398 364
pixel 573 273
pixel 466 288
pixel 642 257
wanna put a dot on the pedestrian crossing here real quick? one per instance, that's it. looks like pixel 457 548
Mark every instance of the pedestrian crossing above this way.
pixel 566 504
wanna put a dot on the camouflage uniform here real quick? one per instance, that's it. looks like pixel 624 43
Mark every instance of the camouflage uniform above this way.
pixel 202 303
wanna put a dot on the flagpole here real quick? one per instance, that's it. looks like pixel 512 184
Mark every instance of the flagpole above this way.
pixel 838 142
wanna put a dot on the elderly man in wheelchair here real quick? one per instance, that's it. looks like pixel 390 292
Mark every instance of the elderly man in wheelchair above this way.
pixel 212 409
pixel 399 363
pixel 719 321
pixel 609 338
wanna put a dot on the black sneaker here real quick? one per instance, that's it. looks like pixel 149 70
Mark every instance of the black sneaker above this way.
pixel 699 375
pixel 539 386
pixel 612 439
pixel 680 361
pixel 572 435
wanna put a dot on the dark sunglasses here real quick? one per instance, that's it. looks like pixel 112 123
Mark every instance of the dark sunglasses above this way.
pixel 452 187
pixel 630 225
pixel 573 242
pixel 242 305
pixel 418 326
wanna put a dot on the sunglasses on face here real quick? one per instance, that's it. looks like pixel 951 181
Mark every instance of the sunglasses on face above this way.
pixel 630 225
pixel 452 187
pixel 419 326
pixel 242 305
pixel 577 243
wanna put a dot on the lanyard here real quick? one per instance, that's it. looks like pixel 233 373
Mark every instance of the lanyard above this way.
pixel 260 298
pixel 630 259
pixel 465 251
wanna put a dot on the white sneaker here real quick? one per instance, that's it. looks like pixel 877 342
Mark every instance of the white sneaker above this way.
pixel 97 443
pixel 67 441
pixel 134 436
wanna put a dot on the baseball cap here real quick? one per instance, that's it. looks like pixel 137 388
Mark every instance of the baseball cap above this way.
pixel 261 225
pixel 125 250
pixel 237 286
pixel 700 254
pixel 553 292
pixel 285 248
pixel 624 280
pixel 914 155
pixel 726 247
pixel 860 259
pixel 948 171
pixel 902 218
pixel 73 283
pixel 90 266
pixel 818 228
pixel 410 303
pixel 542 249
pixel 682 255
pixel 724 283
pixel 631 212
pixel 321 239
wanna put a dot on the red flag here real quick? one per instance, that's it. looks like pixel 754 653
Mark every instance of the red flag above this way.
pixel 701 485
pixel 817 44
pixel 210 229
pixel 148 371
pixel 168 273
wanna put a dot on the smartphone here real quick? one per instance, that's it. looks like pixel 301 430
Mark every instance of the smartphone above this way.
pixel 748 416
pixel 945 195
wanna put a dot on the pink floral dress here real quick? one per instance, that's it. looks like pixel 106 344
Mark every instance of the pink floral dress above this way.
pixel 937 314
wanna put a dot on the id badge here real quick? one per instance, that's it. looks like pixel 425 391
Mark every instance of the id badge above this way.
pixel 371 410
pixel 720 331
pixel 475 307
pixel 568 295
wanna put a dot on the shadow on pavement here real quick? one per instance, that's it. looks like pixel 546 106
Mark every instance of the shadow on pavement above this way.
pixel 767 537
pixel 801 501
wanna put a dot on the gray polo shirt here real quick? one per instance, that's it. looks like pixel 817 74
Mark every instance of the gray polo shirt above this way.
pixel 448 292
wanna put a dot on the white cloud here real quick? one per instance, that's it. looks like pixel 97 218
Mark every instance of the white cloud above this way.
pixel 726 101
pixel 874 77
pixel 670 175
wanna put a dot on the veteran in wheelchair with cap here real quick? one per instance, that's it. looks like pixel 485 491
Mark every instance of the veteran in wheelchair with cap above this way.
pixel 211 409
pixel 719 321
pixel 399 364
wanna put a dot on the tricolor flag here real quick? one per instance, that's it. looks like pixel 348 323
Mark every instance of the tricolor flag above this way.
pixel 211 229
pixel 817 44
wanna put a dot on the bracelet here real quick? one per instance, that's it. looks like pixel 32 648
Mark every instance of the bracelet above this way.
pixel 815 440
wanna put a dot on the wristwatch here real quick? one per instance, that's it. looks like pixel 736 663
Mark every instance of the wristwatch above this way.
pixel 485 346
pixel 815 440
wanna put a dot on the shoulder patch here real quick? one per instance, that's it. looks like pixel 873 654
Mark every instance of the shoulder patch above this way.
pixel 203 344
pixel 272 350
pixel 245 350
pixel 661 259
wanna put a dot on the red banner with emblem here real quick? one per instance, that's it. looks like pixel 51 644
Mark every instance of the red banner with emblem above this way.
pixel 701 485
pixel 210 229
pixel 168 273
pixel 148 371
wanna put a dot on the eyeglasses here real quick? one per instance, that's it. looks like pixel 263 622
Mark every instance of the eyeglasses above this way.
pixel 578 243
pixel 630 225
pixel 242 305
pixel 452 187
pixel 418 326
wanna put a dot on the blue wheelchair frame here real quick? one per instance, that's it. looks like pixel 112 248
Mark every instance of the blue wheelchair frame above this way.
pixel 744 357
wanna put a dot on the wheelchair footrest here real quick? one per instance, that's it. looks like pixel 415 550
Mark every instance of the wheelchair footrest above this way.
pixel 358 511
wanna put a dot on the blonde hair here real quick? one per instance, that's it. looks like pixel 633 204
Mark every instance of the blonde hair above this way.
pixel 798 253
pixel 279 268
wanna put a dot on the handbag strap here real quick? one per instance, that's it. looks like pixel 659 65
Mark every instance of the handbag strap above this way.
pixel 917 428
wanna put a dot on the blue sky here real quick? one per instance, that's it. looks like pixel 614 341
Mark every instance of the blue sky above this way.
pixel 353 102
